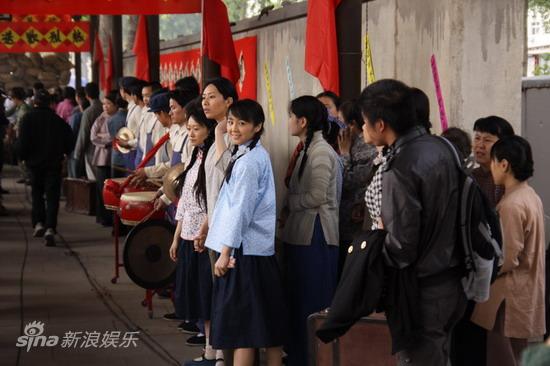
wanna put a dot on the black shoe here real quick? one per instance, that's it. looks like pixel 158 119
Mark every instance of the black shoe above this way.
pixel 189 328
pixel 21 180
pixel 196 341
pixel 4 191
pixel 171 317
pixel 49 236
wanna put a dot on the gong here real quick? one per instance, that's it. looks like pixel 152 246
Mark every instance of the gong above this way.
pixel 146 254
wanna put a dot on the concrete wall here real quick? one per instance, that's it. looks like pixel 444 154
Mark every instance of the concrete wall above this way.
pixel 275 43
pixel 479 46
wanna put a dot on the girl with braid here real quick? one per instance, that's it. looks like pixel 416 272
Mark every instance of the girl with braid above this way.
pixel 193 285
pixel 309 223
pixel 248 311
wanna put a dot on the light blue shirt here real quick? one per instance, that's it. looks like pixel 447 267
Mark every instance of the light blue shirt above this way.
pixel 245 210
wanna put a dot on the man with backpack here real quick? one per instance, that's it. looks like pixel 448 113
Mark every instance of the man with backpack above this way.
pixel 419 211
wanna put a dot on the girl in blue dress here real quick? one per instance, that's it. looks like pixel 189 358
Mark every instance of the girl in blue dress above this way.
pixel 248 310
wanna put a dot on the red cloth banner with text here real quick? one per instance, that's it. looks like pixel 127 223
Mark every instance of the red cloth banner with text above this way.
pixel 174 66
pixel 44 37
pixel 97 7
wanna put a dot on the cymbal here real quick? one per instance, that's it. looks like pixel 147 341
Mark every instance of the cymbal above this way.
pixel 169 181
pixel 124 134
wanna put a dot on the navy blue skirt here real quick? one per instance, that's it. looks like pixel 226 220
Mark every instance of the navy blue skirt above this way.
pixel 249 310
pixel 310 282
pixel 193 285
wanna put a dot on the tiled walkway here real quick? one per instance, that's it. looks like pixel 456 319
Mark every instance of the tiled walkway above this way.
pixel 68 289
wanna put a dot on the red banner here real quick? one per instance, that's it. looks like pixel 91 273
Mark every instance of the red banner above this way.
pixel 33 18
pixel 44 37
pixel 174 66
pixel 96 7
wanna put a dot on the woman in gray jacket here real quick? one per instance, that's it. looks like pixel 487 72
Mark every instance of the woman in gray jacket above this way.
pixel 310 222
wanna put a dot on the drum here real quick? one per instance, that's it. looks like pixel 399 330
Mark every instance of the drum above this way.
pixel 136 206
pixel 146 254
pixel 112 191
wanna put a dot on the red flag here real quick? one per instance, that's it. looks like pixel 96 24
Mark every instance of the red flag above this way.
pixel 322 44
pixel 98 58
pixel 141 50
pixel 109 68
pixel 217 40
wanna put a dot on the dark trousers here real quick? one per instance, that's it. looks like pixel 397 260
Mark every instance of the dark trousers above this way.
pixel 311 279
pixel 45 182
pixel 103 216
pixel 441 306
pixel 469 341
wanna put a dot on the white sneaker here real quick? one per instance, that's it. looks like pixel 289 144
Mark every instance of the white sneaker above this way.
pixel 50 238
pixel 39 230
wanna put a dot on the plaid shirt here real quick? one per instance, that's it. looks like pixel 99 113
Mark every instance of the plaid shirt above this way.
pixel 373 194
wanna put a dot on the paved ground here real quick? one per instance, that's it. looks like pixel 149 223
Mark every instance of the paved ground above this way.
pixel 68 288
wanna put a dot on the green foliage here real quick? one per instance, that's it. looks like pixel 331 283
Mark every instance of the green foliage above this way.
pixel 543 68
pixel 175 25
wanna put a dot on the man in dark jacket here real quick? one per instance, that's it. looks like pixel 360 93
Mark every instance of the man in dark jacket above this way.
pixel 419 207
pixel 44 139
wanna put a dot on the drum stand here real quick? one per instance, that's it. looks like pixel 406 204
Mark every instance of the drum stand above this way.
pixel 118 264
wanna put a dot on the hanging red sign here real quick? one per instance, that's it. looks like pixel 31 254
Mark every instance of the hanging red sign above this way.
pixel 176 65
pixel 44 37
pixel 33 18
pixel 97 7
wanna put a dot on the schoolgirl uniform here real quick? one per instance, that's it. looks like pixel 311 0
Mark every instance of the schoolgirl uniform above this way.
pixel 248 310
pixel 311 240
pixel 193 288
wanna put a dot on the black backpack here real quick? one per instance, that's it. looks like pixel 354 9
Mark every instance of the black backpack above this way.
pixel 479 235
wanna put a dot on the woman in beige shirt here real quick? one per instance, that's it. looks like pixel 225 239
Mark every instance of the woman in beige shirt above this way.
pixel 515 309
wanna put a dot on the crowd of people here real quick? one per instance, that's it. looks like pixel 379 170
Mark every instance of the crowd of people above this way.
pixel 367 164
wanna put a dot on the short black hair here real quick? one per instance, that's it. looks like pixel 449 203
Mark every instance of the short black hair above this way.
pixel 517 151
pixel 250 111
pixel 460 139
pixel 225 87
pixel 389 100
pixel 494 125
pixel 92 90
pixel 154 85
pixel 42 99
pixel 332 95
pixel 183 98
pixel 69 93
pixel 38 85
pixel 136 87
pixel 420 103
pixel 116 99
pixel 189 84
pixel 125 82
pixel 352 113
pixel 18 93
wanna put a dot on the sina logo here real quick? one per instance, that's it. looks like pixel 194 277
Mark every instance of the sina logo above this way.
pixel 33 337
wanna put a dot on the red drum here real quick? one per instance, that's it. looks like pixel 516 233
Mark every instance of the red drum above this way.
pixel 135 206
pixel 112 191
